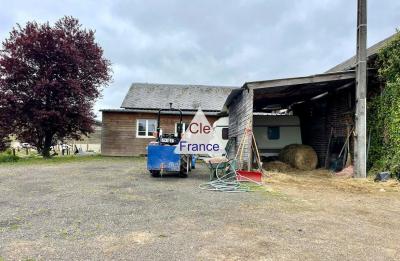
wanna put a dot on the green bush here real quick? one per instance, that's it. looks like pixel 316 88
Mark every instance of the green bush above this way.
pixel 384 112
pixel 5 157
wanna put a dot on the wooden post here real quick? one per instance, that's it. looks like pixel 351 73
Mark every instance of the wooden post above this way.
pixel 249 112
pixel 360 141
pixel 249 146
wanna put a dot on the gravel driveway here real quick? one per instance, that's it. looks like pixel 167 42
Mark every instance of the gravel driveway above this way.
pixel 112 209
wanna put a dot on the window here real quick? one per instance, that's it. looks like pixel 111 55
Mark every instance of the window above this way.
pixel 184 127
pixel 145 128
pixel 225 133
pixel 273 133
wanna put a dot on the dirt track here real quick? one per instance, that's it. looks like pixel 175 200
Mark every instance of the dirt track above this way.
pixel 112 209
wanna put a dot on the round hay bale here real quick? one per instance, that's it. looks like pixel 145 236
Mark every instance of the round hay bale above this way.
pixel 277 166
pixel 299 156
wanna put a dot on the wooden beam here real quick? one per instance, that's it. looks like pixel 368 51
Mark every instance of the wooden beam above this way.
pixel 318 78
pixel 360 144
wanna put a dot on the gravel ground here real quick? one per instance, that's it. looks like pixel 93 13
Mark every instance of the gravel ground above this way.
pixel 111 209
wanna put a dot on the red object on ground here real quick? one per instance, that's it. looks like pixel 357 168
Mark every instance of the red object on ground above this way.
pixel 251 176
pixel 346 172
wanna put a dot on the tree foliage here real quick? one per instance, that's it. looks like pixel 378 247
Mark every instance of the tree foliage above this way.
pixel 4 134
pixel 384 111
pixel 50 79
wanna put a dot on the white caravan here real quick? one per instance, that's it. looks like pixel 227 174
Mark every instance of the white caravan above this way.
pixel 273 132
pixel 221 132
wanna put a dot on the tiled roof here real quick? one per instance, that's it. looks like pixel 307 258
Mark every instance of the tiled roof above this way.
pixel 184 97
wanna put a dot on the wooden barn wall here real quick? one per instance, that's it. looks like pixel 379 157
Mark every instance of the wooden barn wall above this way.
pixel 240 112
pixel 118 136
pixel 333 113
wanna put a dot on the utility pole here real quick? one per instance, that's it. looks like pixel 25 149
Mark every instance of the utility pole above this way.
pixel 360 142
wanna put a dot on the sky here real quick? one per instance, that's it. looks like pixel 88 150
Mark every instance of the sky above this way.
pixel 215 42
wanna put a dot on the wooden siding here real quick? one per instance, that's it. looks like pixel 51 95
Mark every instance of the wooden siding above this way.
pixel 240 112
pixel 119 132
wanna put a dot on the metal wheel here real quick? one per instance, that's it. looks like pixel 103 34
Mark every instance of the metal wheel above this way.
pixel 184 166
pixel 155 173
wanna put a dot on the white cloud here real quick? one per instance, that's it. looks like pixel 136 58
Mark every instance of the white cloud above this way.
pixel 212 41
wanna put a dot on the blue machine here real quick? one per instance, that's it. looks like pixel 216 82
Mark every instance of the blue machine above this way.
pixel 161 157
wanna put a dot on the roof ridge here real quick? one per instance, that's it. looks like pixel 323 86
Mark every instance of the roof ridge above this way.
pixel 183 85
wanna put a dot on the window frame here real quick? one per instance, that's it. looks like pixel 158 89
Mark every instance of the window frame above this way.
pixel 146 128
pixel 223 129
pixel 274 127
pixel 184 127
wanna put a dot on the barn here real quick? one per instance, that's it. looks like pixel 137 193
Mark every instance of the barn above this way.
pixel 126 131
pixel 324 105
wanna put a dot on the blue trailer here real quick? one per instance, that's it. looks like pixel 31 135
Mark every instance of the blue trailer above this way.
pixel 161 157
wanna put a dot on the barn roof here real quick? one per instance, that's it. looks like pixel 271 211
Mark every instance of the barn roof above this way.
pixel 289 90
pixel 285 92
pixel 184 97
pixel 350 64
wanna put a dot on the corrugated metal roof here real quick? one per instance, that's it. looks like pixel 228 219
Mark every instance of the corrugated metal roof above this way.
pixel 184 97
pixel 290 89
pixel 371 51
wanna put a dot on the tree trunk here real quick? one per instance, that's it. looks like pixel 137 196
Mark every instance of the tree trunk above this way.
pixel 39 145
pixel 46 146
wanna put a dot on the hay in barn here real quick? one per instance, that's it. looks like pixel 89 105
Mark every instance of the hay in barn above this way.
pixel 277 166
pixel 299 156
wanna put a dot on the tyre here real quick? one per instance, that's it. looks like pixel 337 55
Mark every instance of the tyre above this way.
pixel 155 173
pixel 193 162
pixel 183 175
pixel 184 166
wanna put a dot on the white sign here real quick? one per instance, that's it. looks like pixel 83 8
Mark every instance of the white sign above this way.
pixel 200 138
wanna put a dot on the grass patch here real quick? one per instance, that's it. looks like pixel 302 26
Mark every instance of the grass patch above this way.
pixel 5 157
pixel 323 180
pixel 262 189
pixel 33 160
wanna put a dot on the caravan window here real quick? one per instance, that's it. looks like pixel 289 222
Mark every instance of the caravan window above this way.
pixel 273 133
pixel 225 133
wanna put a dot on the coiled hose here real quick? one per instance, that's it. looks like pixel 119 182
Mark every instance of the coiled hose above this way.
pixel 226 182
